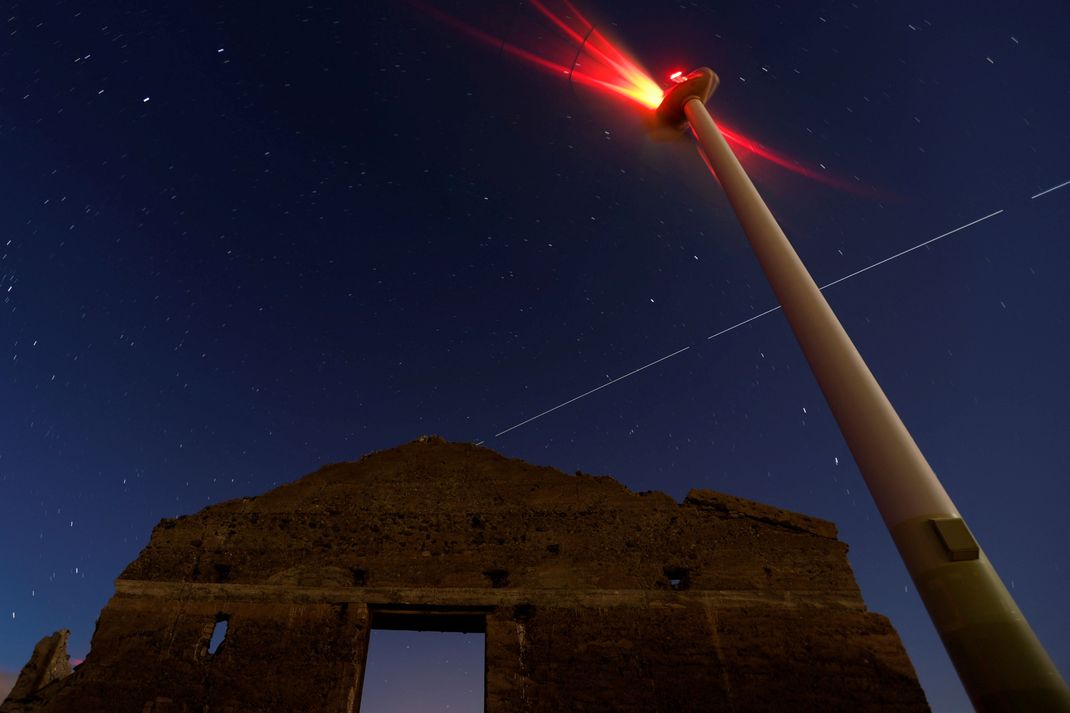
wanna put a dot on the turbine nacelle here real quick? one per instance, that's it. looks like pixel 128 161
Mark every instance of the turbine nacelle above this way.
pixel 698 84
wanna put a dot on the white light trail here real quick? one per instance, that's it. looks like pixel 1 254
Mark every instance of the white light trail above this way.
pixel 740 324
pixel 762 314
pixel 588 393
pixel 910 250
pixel 1064 184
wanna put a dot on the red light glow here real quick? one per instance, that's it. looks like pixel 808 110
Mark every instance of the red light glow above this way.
pixel 739 141
pixel 557 38
pixel 586 56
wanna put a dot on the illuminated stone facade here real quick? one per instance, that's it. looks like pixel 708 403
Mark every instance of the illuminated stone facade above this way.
pixel 592 597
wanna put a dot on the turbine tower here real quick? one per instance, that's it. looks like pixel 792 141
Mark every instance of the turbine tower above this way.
pixel 999 659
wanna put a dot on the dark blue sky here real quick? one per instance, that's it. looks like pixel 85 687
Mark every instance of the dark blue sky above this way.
pixel 240 241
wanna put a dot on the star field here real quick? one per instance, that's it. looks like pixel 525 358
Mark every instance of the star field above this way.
pixel 239 241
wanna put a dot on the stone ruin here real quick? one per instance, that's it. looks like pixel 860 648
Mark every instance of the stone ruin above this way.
pixel 591 598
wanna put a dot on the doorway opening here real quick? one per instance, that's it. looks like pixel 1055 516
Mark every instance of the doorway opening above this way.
pixel 425 659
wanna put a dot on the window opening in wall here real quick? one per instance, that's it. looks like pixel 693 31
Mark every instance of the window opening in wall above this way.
pixel 219 633
pixel 424 661
pixel 498 577
pixel 679 577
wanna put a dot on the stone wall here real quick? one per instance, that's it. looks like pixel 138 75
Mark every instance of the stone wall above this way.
pixel 593 598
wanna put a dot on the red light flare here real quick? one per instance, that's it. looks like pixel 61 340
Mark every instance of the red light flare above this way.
pixel 739 141
pixel 612 66
pixel 589 58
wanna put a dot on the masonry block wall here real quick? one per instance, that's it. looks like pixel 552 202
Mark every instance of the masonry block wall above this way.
pixel 593 598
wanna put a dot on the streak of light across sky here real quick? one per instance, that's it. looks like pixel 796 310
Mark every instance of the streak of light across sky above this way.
pixel 769 311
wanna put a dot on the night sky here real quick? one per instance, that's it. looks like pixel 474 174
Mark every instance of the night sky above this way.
pixel 240 241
